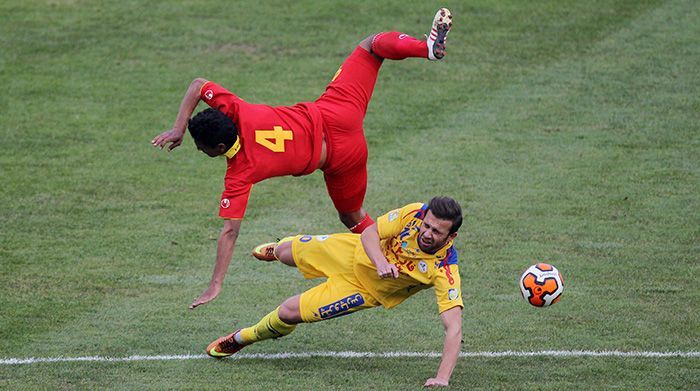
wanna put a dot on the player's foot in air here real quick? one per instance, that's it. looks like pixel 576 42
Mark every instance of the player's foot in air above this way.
pixel 265 252
pixel 224 346
pixel 438 34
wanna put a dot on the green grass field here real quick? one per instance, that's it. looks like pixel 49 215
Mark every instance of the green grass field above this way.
pixel 568 130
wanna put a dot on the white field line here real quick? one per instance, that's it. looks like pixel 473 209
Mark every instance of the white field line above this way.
pixel 282 356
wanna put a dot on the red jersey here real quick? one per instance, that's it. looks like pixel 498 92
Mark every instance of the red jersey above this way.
pixel 274 141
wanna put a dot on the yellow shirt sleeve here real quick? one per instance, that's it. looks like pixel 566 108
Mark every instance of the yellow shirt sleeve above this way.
pixel 448 288
pixel 391 224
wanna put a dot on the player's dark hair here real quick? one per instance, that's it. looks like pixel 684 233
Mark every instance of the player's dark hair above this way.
pixel 445 208
pixel 211 127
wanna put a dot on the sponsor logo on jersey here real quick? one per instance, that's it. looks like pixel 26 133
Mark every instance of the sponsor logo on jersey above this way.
pixel 400 263
pixel 342 306
pixel 321 238
pixel 225 203
pixel 422 266
pixel 209 94
pixel 305 238
pixel 452 293
pixel 448 273
pixel 407 230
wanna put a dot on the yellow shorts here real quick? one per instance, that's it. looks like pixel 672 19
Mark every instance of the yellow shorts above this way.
pixel 330 256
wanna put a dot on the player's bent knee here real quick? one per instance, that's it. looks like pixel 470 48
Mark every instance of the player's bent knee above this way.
pixel 283 252
pixel 367 43
pixel 351 218
pixel 356 221
pixel 289 311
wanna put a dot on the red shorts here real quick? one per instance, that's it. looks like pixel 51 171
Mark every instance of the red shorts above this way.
pixel 343 107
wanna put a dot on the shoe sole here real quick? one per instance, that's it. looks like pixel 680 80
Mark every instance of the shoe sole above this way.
pixel 442 28
pixel 257 253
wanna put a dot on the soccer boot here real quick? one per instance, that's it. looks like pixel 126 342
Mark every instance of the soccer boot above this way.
pixel 265 252
pixel 224 346
pixel 438 34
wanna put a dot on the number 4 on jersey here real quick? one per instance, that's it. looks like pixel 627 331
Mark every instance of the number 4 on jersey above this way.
pixel 273 139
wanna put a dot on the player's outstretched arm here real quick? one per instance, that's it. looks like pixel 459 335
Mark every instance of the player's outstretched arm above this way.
pixel 452 321
pixel 189 103
pixel 224 251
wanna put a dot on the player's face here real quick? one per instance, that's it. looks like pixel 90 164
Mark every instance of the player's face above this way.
pixel 434 233
pixel 209 151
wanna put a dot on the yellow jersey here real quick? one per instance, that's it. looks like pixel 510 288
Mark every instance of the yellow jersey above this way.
pixel 398 231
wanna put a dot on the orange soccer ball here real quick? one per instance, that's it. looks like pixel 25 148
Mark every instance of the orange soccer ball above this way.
pixel 541 285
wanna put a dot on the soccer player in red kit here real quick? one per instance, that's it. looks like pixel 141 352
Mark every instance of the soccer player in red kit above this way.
pixel 261 141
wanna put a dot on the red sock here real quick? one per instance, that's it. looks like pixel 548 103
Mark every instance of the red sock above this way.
pixel 362 225
pixel 397 46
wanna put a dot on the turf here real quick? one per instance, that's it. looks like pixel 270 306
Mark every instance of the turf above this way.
pixel 568 131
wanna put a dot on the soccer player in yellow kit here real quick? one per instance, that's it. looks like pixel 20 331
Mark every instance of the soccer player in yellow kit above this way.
pixel 407 250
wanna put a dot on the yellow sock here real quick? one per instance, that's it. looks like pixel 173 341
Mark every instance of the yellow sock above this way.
pixel 270 326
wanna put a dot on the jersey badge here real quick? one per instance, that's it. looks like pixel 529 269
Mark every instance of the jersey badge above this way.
pixel 452 294
pixel 393 215
pixel 422 266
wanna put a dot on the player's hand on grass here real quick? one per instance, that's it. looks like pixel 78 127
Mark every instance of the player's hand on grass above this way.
pixel 434 382
pixel 387 270
pixel 172 136
pixel 208 295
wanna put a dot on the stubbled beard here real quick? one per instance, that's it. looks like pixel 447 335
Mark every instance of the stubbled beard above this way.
pixel 431 249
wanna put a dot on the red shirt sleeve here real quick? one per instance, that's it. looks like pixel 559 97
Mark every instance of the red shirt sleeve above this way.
pixel 221 99
pixel 234 200
pixel 237 186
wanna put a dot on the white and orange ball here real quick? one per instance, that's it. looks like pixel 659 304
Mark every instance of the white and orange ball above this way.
pixel 541 285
